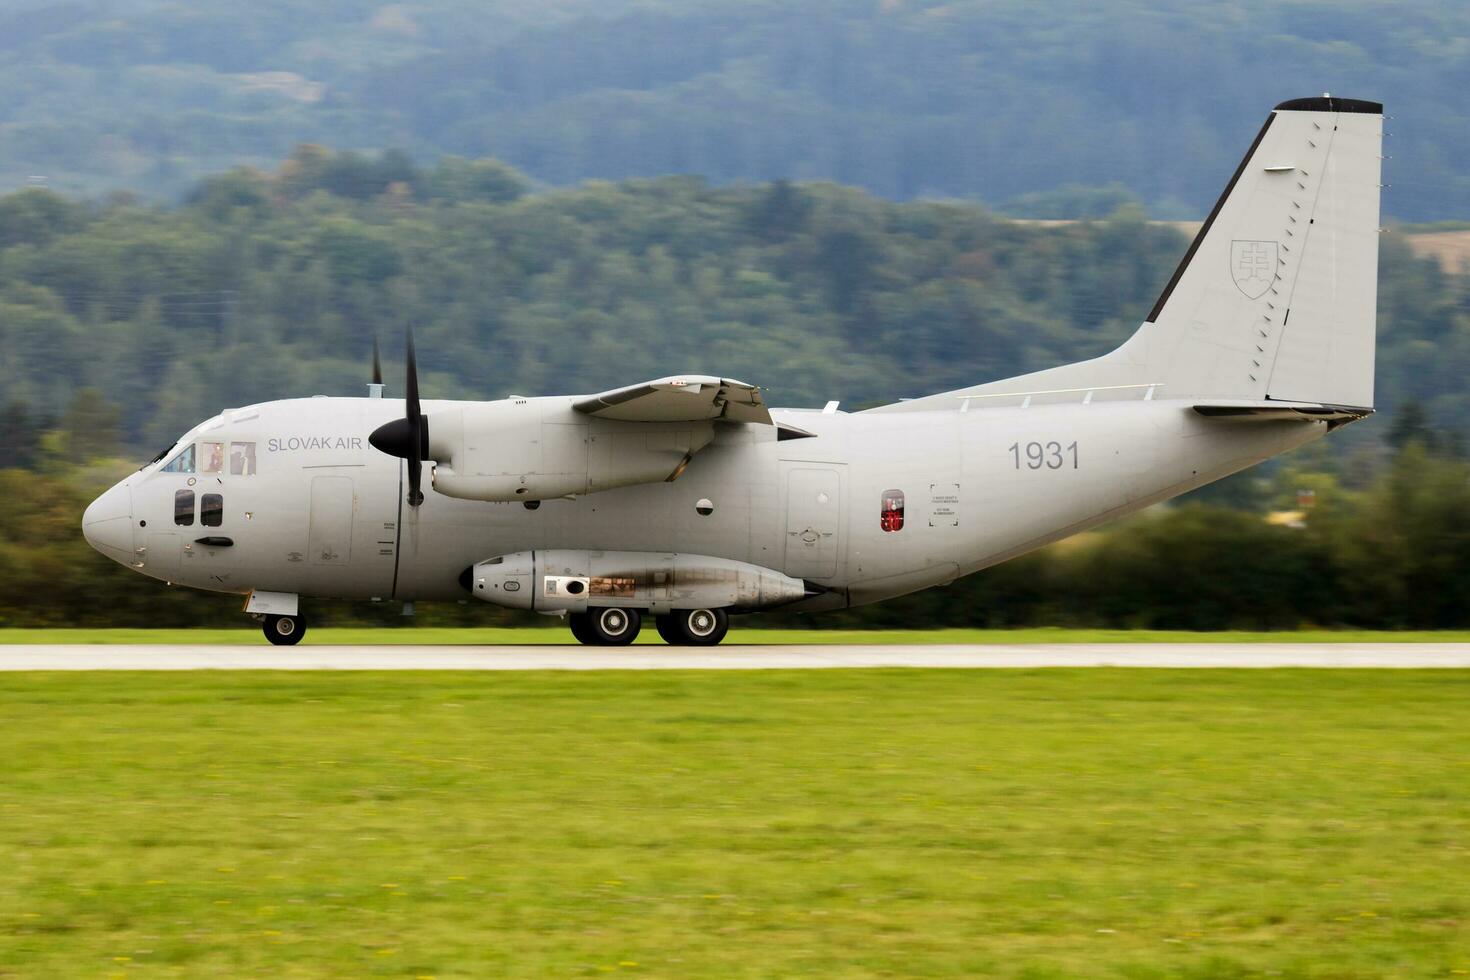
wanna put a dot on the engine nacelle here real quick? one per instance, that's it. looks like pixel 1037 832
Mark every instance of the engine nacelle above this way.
pixel 540 449
pixel 553 581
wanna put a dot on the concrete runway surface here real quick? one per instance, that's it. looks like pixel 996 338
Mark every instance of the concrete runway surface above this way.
pixel 265 657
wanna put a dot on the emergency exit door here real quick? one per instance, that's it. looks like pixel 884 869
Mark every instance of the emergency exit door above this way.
pixel 330 535
pixel 813 522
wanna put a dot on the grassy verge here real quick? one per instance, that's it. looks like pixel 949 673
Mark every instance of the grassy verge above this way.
pixel 1017 824
pixel 435 635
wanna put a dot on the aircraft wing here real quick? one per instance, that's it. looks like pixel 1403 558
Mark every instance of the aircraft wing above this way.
pixel 682 398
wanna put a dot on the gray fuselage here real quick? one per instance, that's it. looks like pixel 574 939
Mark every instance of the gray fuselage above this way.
pixel 316 511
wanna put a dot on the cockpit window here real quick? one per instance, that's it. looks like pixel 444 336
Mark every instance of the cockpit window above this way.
pixel 211 457
pixel 242 459
pixel 182 463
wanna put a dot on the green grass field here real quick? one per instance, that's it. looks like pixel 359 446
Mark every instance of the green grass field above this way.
pixel 1060 823
pixel 438 635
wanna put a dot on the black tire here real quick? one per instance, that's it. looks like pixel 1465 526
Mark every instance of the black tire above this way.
pixel 697 627
pixel 614 626
pixel 668 628
pixel 581 625
pixel 284 631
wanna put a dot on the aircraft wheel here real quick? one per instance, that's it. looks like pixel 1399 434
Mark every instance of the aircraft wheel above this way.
pixel 696 627
pixel 615 626
pixel 284 631
pixel 668 628
pixel 581 624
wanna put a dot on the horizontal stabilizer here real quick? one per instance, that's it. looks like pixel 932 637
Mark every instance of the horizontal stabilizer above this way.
pixel 685 398
pixel 1274 411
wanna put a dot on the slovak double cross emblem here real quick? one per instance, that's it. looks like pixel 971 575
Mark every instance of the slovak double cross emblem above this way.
pixel 1253 266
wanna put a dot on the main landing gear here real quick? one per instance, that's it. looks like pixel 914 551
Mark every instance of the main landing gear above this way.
pixel 611 627
pixel 617 627
pixel 284 631
pixel 694 627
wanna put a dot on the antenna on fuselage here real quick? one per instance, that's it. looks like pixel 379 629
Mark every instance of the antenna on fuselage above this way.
pixel 375 387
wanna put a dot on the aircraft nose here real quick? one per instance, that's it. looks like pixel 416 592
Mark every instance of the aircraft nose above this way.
pixel 107 523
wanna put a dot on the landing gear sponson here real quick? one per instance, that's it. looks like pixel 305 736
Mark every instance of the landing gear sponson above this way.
pixel 606 594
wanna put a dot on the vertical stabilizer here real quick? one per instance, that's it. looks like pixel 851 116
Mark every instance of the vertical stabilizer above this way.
pixel 1276 297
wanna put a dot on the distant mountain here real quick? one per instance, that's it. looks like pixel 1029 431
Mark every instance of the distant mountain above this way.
pixel 993 100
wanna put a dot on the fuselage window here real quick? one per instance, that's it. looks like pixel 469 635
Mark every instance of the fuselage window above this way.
pixel 183 462
pixel 890 518
pixel 242 459
pixel 212 509
pixel 211 457
pixel 184 508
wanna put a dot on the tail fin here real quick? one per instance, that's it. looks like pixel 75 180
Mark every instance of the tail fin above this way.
pixel 1276 298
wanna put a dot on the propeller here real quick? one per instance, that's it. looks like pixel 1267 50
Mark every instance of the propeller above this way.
pixel 408 437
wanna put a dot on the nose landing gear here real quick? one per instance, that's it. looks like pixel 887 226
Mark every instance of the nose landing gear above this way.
pixel 284 631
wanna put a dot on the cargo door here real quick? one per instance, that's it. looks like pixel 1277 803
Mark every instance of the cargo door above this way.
pixel 813 520
pixel 329 540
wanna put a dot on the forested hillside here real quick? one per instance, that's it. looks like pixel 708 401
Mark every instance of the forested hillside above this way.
pixel 268 285
pixel 994 100
pixel 123 324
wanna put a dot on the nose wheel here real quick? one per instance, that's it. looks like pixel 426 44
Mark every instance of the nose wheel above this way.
pixel 284 631
pixel 694 627
pixel 612 627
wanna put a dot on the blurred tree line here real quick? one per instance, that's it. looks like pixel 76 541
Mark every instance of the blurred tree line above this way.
pixel 122 324
pixel 271 284
pixel 1393 554
pixel 993 100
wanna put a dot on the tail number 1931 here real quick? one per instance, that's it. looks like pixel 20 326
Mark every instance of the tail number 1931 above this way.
pixel 1051 455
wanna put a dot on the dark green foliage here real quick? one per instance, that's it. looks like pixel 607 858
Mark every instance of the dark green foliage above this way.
pixel 129 324
pixel 1394 556
pixel 270 285
pixel 90 426
pixel 20 436
pixel 34 217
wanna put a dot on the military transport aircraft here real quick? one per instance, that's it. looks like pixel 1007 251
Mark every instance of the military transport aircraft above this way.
pixel 688 499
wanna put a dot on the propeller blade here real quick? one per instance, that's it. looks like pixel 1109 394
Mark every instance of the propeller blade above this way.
pixel 415 416
pixel 407 437
pixel 377 364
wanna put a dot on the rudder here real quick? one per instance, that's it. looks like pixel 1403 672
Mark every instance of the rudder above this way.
pixel 1276 297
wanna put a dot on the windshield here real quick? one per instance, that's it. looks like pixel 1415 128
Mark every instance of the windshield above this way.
pixel 161 453
pixel 184 447
pixel 182 463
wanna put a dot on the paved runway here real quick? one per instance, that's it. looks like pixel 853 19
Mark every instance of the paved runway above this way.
pixel 264 657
